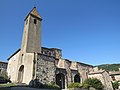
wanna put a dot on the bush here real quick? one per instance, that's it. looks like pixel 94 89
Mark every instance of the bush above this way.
pixel 50 86
pixel 4 74
pixel 4 77
pixel 115 84
pixel 74 85
pixel 93 82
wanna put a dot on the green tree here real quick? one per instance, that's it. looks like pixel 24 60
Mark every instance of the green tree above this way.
pixel 93 82
pixel 115 84
pixel 4 74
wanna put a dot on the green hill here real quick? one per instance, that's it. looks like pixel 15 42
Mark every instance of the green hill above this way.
pixel 109 67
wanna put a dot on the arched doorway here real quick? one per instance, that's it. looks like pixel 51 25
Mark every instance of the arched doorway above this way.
pixel 60 80
pixel 77 78
pixel 20 74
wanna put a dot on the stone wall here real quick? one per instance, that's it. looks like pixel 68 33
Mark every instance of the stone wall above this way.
pixel 54 52
pixel 83 70
pixel 67 66
pixel 45 68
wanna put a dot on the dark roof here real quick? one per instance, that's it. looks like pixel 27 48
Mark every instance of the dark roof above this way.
pixel 3 62
pixel 14 54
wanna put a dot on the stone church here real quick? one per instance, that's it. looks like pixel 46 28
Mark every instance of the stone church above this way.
pixel 32 61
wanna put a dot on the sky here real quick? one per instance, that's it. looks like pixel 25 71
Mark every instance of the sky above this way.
pixel 87 31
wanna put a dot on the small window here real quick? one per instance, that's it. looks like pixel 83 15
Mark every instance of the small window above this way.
pixel 45 53
pixel 113 78
pixel 50 54
pixel 35 21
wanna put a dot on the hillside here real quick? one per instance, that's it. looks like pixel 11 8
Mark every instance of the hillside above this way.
pixel 109 67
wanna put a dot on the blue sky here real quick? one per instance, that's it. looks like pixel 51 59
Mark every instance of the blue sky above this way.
pixel 87 31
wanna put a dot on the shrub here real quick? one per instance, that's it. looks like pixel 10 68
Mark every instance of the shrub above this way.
pixel 4 77
pixel 4 74
pixel 93 82
pixel 115 84
pixel 50 86
pixel 74 85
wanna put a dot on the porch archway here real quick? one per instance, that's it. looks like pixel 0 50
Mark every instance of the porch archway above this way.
pixel 60 80
pixel 20 74
pixel 77 78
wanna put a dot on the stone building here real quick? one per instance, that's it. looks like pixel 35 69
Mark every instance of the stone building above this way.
pixel 3 66
pixel 115 75
pixel 104 77
pixel 32 61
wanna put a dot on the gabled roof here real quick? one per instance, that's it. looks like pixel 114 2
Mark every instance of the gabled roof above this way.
pixel 35 13
pixel 3 62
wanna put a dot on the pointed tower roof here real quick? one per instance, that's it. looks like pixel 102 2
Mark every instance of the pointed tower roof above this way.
pixel 35 13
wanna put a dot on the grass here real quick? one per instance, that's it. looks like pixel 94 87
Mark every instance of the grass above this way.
pixel 7 85
pixel 10 85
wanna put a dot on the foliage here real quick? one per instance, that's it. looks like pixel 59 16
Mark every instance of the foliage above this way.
pixel 115 84
pixel 93 82
pixel 86 85
pixel 74 85
pixel 4 74
pixel 109 67
pixel 50 86
pixel 7 85
pixel 4 77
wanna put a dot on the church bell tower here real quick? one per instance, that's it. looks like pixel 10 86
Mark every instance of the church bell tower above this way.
pixel 31 41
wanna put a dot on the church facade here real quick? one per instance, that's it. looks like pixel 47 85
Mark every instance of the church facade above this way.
pixel 32 61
